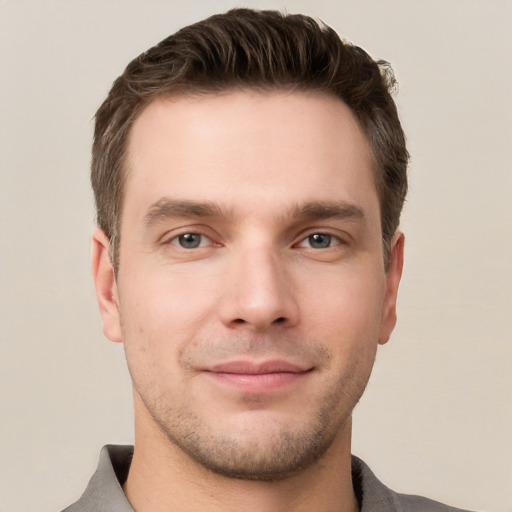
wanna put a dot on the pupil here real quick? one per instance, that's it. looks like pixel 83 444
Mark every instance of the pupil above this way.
pixel 320 240
pixel 190 240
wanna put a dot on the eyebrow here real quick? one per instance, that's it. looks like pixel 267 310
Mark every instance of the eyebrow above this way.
pixel 319 210
pixel 166 208
pixel 315 210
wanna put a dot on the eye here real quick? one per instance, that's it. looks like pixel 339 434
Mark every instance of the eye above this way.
pixel 320 241
pixel 190 240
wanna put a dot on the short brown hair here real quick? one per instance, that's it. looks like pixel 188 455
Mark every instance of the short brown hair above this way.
pixel 249 49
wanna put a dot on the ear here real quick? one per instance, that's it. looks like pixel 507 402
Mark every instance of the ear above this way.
pixel 393 276
pixel 106 286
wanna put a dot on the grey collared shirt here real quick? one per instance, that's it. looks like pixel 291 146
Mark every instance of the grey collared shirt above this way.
pixel 105 493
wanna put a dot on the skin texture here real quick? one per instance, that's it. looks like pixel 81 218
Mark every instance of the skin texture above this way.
pixel 250 297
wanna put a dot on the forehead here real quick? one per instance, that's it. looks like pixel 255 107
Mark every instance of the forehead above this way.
pixel 235 147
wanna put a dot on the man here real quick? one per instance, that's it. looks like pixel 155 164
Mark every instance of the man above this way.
pixel 249 173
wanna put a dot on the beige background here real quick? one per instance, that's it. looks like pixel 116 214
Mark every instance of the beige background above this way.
pixel 437 416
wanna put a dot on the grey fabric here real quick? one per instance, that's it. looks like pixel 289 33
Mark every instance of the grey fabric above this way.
pixel 374 496
pixel 105 494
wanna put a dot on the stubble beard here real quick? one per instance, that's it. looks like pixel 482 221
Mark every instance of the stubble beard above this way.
pixel 247 455
pixel 261 450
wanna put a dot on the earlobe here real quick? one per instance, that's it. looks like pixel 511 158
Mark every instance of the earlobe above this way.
pixel 393 276
pixel 106 286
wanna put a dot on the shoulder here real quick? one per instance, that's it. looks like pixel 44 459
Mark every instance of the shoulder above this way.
pixel 408 502
pixel 374 496
pixel 104 492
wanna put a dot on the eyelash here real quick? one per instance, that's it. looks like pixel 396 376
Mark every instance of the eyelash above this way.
pixel 330 239
pixel 175 240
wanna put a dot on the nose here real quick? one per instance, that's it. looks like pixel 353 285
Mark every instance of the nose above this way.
pixel 258 292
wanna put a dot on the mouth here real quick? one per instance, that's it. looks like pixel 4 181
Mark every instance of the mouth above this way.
pixel 257 378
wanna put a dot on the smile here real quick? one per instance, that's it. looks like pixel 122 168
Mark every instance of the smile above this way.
pixel 248 377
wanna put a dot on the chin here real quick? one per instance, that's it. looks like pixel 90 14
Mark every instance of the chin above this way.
pixel 271 453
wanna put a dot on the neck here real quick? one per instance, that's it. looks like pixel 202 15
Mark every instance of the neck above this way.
pixel 162 477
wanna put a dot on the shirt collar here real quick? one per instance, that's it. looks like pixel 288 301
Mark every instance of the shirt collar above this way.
pixel 105 493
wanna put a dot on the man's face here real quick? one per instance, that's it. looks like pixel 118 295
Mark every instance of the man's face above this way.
pixel 251 292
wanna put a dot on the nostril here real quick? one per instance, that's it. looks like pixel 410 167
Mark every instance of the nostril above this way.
pixel 279 320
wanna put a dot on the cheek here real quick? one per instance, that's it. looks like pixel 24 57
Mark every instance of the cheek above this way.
pixel 160 315
pixel 167 301
pixel 346 307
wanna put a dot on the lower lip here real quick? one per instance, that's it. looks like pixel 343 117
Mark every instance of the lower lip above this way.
pixel 257 383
